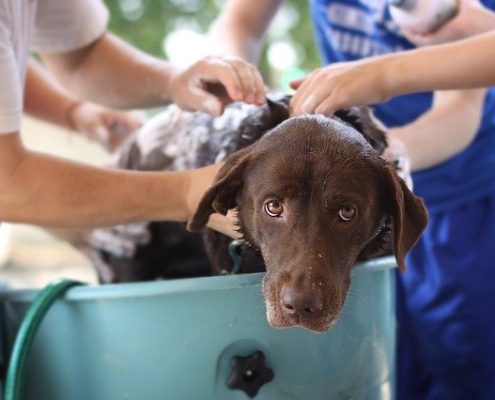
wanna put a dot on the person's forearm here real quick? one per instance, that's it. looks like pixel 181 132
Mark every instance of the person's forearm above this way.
pixel 240 29
pixel 443 131
pixel 227 37
pixel 48 191
pixel 44 98
pixel 465 64
pixel 113 73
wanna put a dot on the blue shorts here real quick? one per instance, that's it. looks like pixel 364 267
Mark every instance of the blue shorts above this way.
pixel 446 308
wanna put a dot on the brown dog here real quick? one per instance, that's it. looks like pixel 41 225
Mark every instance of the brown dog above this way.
pixel 313 197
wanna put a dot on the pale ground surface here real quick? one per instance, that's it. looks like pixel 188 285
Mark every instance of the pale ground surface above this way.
pixel 35 257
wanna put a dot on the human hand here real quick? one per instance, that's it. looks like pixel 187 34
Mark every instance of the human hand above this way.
pixel 342 85
pixel 395 153
pixel 198 182
pixel 110 128
pixel 213 82
pixel 472 18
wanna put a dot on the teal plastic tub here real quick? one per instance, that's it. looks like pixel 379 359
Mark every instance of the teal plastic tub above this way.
pixel 186 339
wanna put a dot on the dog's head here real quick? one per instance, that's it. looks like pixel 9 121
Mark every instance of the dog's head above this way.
pixel 313 195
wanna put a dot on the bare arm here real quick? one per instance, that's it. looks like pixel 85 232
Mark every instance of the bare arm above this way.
pixel 48 191
pixel 131 78
pixel 465 64
pixel 461 65
pixel 444 131
pixel 111 72
pixel 44 98
pixel 240 29
pixel 455 116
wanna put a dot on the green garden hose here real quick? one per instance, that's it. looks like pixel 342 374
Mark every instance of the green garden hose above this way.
pixel 14 382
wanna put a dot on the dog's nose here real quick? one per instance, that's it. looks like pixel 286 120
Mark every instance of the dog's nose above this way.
pixel 306 303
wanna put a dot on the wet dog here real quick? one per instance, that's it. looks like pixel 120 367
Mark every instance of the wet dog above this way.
pixel 313 196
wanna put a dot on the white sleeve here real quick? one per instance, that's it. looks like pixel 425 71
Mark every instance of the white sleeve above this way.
pixel 65 25
pixel 10 85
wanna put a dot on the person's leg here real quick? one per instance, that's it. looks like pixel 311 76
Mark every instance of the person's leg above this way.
pixel 413 380
pixel 449 292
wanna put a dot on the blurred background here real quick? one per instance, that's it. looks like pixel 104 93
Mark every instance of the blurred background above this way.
pixel 174 29
pixel 169 29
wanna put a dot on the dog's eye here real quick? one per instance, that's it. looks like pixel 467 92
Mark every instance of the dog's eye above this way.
pixel 274 208
pixel 347 213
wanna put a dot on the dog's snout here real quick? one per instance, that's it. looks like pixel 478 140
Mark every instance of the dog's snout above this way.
pixel 306 303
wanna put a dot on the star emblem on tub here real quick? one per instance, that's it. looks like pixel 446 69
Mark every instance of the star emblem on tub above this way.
pixel 249 373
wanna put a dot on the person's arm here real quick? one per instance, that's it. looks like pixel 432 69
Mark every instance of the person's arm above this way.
pixel 472 18
pixel 48 191
pixel 461 65
pixel 454 118
pixel 443 131
pixel 45 99
pixel 111 72
pixel 241 27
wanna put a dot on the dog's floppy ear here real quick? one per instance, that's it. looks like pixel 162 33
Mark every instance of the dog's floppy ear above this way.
pixel 409 217
pixel 279 108
pixel 222 195
pixel 363 120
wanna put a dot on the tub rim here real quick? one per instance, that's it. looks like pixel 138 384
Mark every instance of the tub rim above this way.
pixel 155 288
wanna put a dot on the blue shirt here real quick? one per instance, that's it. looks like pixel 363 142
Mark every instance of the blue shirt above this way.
pixel 354 29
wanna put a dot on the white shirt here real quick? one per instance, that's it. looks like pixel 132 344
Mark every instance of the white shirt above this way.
pixel 44 26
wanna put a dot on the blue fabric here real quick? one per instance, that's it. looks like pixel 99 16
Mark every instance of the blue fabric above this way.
pixel 446 299
pixel 353 29
pixel 446 306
